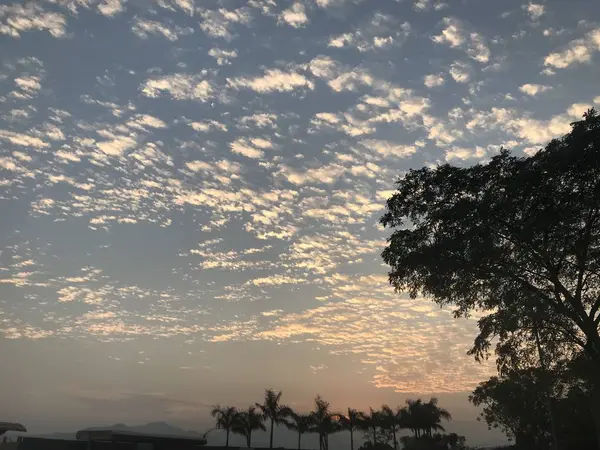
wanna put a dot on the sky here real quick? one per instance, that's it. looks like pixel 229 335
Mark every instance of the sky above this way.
pixel 190 193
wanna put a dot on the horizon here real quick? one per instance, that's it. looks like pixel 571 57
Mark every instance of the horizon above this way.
pixel 191 193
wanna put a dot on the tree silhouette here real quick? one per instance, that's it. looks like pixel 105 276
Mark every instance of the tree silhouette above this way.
pixel 225 419
pixel 518 238
pixel 273 411
pixel 247 421
pixel 324 422
pixel 370 422
pixel 301 424
pixel 392 422
pixel 349 422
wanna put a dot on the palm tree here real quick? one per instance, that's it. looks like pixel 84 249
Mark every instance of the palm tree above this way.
pixel 225 419
pixel 324 422
pixel 392 421
pixel 300 423
pixel 433 416
pixel 349 422
pixel 370 422
pixel 423 418
pixel 245 422
pixel 273 411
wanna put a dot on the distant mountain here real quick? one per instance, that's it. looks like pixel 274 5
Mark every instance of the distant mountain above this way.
pixel 151 428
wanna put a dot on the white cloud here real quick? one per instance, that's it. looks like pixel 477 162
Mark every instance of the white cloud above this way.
pixel 208 126
pixel 15 19
pixel 578 51
pixel 30 85
pixel 380 32
pixel 463 154
pixel 217 23
pixel 452 34
pixel 534 89
pixel 260 120
pixel 111 8
pixel 460 72
pixel 433 80
pixel 274 80
pixel 534 10
pixel 223 57
pixel 144 28
pixel 243 147
pixel 294 16
pixel 455 35
pixel 386 148
pixel 22 139
pixel 179 87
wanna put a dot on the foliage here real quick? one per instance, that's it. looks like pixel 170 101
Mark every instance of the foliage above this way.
pixel 516 238
pixel 301 424
pixel 245 422
pixel 515 403
pixel 368 445
pixel 436 441
pixel 350 423
pixel 273 411
pixel 225 419
pixel 324 422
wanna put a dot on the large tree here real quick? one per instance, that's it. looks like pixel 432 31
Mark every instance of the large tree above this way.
pixel 225 419
pixel 273 411
pixel 371 422
pixel 517 238
pixel 515 404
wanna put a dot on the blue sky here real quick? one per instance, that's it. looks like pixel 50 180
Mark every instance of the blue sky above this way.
pixel 190 191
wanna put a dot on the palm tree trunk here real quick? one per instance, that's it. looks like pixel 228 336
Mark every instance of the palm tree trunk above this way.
pixel 351 439
pixel 249 439
pixel 227 438
pixel 374 436
pixel 299 440
pixel 271 438
pixel 395 441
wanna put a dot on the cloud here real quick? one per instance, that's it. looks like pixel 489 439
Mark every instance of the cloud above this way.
pixel 16 19
pixel 386 148
pixel 534 10
pixel 534 89
pixel 111 8
pixel 433 80
pixel 207 126
pixel 218 23
pixel 144 28
pixel 22 140
pixel 460 72
pixel 294 16
pixel 464 154
pixel 455 35
pixel 274 80
pixel 241 146
pixel 381 31
pixel 223 57
pixel 179 87
pixel 577 52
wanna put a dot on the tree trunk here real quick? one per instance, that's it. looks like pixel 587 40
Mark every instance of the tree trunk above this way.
pixel 351 439
pixel 249 439
pixel 596 412
pixel 299 441
pixel 271 438
pixel 395 441
pixel 374 436
pixel 227 438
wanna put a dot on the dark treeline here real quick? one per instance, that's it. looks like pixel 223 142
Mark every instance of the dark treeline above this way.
pixel 516 239
pixel 383 429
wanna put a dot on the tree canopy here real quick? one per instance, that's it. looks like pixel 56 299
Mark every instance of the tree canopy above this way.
pixel 518 239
